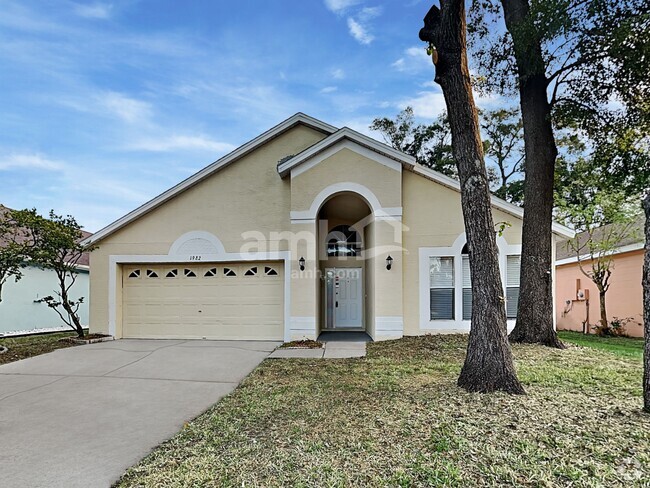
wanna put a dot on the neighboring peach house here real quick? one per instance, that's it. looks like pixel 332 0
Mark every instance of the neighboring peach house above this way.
pixel 573 290
pixel 306 228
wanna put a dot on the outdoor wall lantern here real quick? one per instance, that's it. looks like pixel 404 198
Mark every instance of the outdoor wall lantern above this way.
pixel 389 262
pixel 301 262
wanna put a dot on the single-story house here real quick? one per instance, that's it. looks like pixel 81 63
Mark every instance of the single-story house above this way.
pixel 577 296
pixel 305 228
pixel 20 311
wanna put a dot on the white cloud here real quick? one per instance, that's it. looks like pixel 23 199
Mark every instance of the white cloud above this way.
pixel 430 104
pixel 359 32
pixel 128 109
pixel 337 6
pixel 427 105
pixel 329 89
pixel 368 13
pixel 29 161
pixel 338 74
pixel 414 59
pixel 94 11
pixel 358 25
pixel 181 142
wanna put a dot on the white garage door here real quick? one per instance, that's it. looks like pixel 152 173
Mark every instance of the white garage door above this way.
pixel 207 300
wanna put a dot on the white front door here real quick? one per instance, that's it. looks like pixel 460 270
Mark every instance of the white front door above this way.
pixel 348 298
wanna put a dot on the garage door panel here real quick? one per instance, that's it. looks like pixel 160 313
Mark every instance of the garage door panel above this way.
pixel 213 300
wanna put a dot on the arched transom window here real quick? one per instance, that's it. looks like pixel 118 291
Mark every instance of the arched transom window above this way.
pixel 343 240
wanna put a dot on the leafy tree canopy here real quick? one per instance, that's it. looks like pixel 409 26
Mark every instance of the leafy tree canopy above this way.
pixel 431 146
pixel 597 60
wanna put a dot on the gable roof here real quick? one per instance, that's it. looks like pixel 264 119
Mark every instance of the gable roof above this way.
pixel 285 165
pixel 632 241
pixel 507 207
pixel 219 164
pixel 408 162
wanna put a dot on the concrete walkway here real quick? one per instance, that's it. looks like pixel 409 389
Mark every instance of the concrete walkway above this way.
pixel 331 350
pixel 78 417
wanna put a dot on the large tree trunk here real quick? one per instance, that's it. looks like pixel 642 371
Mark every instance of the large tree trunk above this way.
pixel 488 365
pixel 535 310
pixel 646 309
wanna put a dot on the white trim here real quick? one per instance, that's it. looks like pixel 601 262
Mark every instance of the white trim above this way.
pixel 339 145
pixel 386 213
pixel 196 234
pixel 115 260
pixel 586 257
pixel 389 324
pixel 233 156
pixel 426 324
pixel 302 326
pixel 377 147
pixel 496 202
pixel 346 186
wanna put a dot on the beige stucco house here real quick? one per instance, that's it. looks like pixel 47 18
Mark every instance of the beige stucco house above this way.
pixel 303 229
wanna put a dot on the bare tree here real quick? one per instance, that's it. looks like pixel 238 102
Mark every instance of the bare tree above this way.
pixel 594 249
pixel 488 364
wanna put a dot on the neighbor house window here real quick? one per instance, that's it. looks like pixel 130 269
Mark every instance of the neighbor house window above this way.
pixel 467 289
pixel 513 266
pixel 441 284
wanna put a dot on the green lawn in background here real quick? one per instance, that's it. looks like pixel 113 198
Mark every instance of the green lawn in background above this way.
pixel 623 346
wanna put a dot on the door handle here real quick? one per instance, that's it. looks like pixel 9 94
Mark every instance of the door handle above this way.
pixel 337 303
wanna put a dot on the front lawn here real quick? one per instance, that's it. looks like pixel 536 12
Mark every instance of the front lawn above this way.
pixel 33 345
pixel 624 346
pixel 396 418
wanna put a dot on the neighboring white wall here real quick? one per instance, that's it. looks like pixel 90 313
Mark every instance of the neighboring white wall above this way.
pixel 18 310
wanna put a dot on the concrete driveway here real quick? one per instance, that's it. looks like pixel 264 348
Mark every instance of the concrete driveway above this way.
pixel 81 416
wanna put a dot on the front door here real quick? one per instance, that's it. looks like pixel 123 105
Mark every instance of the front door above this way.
pixel 343 298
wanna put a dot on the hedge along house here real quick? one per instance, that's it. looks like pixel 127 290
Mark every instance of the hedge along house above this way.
pixel 306 228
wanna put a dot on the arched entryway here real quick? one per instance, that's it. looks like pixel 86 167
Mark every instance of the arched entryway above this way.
pixel 345 237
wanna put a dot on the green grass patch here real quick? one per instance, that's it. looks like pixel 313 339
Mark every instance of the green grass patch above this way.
pixel 396 418
pixel 33 345
pixel 622 346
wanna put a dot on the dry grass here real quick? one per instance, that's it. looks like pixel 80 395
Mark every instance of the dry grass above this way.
pixel 33 345
pixel 396 418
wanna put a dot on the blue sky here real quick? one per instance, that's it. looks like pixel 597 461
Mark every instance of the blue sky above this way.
pixel 107 104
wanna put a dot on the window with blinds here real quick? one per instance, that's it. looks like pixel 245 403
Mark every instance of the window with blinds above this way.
pixel 513 266
pixel 467 289
pixel 441 284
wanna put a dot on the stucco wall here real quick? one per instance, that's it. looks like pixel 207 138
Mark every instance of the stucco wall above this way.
pixel 347 166
pixel 246 196
pixel 433 217
pixel 18 310
pixel 624 298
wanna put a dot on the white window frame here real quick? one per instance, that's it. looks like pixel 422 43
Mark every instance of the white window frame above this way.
pixel 505 284
pixel 458 324
pixel 454 279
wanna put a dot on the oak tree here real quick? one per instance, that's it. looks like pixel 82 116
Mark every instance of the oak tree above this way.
pixel 489 364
